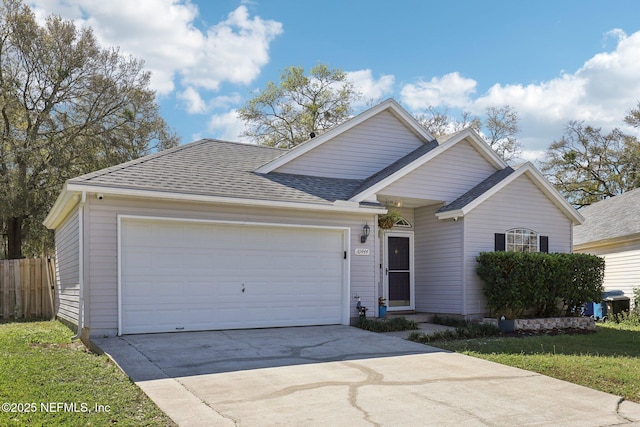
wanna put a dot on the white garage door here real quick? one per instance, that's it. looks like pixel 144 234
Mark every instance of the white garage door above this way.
pixel 179 275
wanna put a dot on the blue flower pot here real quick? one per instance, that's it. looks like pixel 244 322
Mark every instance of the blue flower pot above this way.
pixel 382 311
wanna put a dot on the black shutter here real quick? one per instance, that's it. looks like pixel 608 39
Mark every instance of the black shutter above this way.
pixel 544 244
pixel 500 242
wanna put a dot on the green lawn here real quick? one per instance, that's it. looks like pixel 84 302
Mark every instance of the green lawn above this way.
pixel 607 360
pixel 46 379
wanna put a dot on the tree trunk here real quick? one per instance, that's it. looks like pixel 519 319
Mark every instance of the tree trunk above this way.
pixel 14 237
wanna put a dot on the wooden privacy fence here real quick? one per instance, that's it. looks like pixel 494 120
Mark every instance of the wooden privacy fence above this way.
pixel 26 288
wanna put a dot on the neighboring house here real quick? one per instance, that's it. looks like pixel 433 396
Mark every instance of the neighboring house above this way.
pixel 612 230
pixel 219 235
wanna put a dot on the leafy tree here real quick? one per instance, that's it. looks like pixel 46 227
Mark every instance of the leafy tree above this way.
pixel 632 149
pixel 501 126
pixel 633 117
pixel 587 165
pixel 285 114
pixel 67 107
pixel 441 123
pixel 498 128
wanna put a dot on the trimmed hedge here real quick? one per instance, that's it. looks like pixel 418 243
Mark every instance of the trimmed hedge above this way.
pixel 544 285
pixel 386 325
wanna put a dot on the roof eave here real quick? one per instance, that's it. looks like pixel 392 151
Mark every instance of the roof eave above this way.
pixel 337 206
pixel 562 203
pixel 63 205
pixel 452 214
pixel 629 238
pixel 485 150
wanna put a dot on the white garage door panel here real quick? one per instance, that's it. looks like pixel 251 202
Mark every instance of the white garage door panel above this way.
pixel 190 276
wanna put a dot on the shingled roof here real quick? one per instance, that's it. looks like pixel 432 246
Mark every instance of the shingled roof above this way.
pixel 396 166
pixel 613 218
pixel 219 168
pixel 478 190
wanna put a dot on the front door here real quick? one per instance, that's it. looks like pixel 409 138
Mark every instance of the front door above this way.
pixel 399 270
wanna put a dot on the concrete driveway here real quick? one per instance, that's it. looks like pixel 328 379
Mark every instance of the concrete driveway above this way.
pixel 343 376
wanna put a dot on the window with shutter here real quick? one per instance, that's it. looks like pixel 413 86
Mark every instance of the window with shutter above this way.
pixel 544 244
pixel 522 240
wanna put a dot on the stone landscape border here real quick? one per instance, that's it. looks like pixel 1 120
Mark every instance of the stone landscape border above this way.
pixel 550 323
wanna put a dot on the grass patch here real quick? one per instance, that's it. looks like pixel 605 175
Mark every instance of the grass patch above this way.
pixel 384 325
pixel 607 360
pixel 40 367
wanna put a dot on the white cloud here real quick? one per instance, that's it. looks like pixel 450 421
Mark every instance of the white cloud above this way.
pixel 195 104
pixel 616 33
pixel 163 33
pixel 226 101
pixel 234 50
pixel 227 126
pixel 371 88
pixel 600 93
pixel 450 90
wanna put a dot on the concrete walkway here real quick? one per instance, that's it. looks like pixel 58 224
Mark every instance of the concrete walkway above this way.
pixel 343 376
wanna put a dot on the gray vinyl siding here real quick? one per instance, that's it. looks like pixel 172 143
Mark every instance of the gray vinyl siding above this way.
pixel 622 266
pixel 444 178
pixel 438 263
pixel 409 215
pixel 359 152
pixel 67 269
pixel 519 205
pixel 101 293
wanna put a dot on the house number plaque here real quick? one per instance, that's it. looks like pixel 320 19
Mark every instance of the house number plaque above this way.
pixel 361 251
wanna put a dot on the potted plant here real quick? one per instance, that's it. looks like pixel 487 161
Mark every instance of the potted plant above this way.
pixel 382 307
pixel 386 221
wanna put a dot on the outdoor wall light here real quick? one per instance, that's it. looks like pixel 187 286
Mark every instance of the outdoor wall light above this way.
pixel 365 233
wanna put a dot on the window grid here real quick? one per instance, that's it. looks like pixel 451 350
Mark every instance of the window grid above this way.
pixel 522 240
pixel 402 222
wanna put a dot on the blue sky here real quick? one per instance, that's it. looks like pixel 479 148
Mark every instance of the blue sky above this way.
pixel 553 61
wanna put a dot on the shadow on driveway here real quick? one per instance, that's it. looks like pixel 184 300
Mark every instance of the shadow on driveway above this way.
pixel 183 354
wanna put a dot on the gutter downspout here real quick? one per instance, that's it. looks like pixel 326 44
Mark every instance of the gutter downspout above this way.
pixel 83 199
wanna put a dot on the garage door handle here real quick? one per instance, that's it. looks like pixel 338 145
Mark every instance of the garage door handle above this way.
pixel 243 288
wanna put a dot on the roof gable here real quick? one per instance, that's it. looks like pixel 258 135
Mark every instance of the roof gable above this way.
pixel 400 169
pixel 366 143
pixel 501 179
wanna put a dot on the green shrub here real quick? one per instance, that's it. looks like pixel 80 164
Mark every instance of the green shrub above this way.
pixel 544 284
pixel 627 318
pixel 448 321
pixel 384 325
pixel 468 331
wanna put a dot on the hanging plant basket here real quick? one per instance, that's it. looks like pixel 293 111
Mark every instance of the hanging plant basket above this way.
pixel 387 220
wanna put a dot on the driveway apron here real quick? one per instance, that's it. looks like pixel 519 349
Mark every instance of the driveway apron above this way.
pixel 343 376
